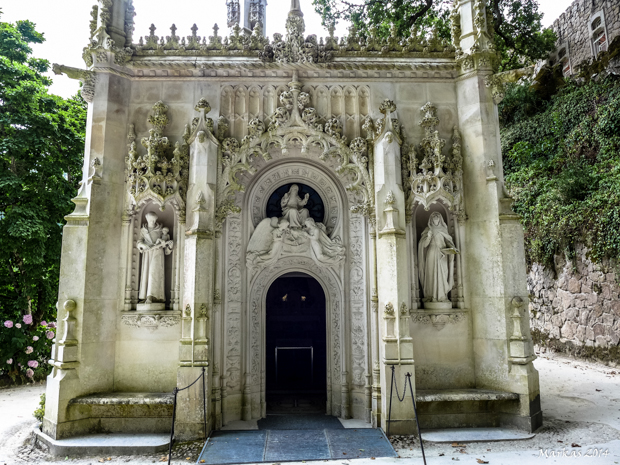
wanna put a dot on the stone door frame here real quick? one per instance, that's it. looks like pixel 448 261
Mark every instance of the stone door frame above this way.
pixel 334 318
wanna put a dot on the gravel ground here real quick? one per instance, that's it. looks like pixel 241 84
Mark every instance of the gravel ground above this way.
pixel 580 402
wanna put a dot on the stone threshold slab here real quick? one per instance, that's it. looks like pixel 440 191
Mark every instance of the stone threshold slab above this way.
pixel 104 444
pixel 461 435
pixel 278 446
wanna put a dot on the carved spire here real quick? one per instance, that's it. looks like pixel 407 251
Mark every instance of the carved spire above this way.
pixel 295 9
pixel 234 12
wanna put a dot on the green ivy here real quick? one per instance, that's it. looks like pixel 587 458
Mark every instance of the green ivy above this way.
pixel 562 162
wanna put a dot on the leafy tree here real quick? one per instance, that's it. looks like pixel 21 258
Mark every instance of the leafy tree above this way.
pixel 41 150
pixel 519 37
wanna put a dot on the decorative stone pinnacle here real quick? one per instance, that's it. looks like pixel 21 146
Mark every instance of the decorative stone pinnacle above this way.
pixel 203 105
pixel 295 9
pixel 390 199
pixel 387 107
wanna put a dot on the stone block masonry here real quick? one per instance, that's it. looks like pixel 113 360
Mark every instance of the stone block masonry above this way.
pixel 579 311
pixel 580 25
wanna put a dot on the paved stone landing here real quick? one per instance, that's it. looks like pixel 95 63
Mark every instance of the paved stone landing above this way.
pixel 474 435
pixel 228 447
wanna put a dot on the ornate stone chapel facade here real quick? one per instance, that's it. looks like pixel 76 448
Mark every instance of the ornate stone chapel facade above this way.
pixel 256 206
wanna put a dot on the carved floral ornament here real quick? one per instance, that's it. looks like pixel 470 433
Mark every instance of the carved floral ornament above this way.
pixel 295 123
pixel 434 177
pixel 161 172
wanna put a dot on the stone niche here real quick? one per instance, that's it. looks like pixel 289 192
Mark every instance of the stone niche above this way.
pixel 166 219
pixel 421 219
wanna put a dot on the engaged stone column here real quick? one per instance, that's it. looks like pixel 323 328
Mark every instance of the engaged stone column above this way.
pixel 493 249
pixel 393 277
pixel 198 293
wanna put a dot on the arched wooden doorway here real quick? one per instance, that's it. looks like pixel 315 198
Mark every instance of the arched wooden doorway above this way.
pixel 296 345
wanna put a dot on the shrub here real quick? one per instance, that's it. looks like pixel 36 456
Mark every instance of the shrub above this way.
pixel 25 348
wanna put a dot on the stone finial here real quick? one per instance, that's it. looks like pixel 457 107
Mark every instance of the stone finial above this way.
pixel 295 9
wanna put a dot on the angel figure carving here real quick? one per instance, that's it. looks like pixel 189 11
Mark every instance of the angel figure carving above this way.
pixel 436 252
pixel 294 233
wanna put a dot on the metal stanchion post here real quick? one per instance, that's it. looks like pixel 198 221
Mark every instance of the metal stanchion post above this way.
pixel 175 391
pixel 415 411
pixel 390 409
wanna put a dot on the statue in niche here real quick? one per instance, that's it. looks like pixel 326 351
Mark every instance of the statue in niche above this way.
pixel 295 232
pixel 436 252
pixel 153 244
pixel 293 207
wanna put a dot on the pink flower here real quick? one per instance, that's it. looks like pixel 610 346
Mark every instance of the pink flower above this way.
pixel 28 319
pixel 44 323
pixel 9 361
pixel 18 325
pixel 29 373
pixel 51 325
pixel 29 350
pixel 8 323
pixel 33 363
pixel 49 334
pixel 35 338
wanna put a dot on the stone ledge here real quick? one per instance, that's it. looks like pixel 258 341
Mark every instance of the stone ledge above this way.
pixel 463 395
pixel 102 444
pixel 126 398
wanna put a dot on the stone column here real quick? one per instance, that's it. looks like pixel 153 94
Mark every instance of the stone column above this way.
pixel 493 253
pixel 198 292
pixel 90 261
pixel 392 273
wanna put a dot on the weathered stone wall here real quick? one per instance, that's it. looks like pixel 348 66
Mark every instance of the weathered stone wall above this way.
pixel 581 308
pixel 574 32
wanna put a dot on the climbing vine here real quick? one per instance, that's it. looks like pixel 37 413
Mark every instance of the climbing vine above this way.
pixel 562 164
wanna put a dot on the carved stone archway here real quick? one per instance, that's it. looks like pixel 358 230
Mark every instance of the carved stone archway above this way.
pixel 254 397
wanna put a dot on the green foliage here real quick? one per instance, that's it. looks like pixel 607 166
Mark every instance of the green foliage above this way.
pixel 562 163
pixel 40 410
pixel 519 37
pixel 382 14
pixel 41 150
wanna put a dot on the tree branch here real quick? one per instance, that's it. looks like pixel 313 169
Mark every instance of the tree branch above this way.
pixel 412 19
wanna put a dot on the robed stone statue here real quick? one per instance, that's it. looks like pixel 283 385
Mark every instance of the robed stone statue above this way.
pixel 436 252
pixel 153 244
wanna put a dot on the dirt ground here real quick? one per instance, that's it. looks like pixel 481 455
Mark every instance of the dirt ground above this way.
pixel 580 402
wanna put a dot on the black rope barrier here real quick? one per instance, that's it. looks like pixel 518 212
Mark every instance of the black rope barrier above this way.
pixel 401 399
pixel 175 391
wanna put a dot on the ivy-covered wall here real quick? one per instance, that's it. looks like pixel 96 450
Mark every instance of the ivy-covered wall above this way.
pixel 579 311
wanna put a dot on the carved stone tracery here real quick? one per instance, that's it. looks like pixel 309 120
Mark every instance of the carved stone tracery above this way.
pixel 436 176
pixel 161 172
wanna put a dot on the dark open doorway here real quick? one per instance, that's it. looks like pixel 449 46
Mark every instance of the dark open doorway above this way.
pixel 296 345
